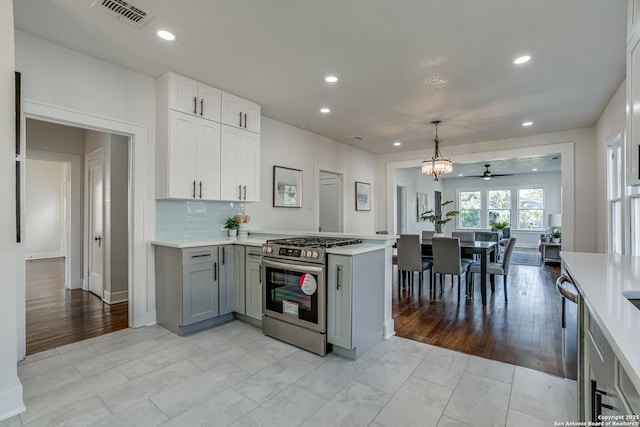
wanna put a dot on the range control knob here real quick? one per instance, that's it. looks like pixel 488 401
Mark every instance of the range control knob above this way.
pixel 315 254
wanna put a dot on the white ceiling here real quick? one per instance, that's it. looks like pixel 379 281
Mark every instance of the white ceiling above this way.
pixel 401 64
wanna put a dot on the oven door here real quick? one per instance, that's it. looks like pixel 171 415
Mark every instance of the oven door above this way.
pixel 294 293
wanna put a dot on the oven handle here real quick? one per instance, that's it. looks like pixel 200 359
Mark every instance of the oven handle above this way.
pixel 293 267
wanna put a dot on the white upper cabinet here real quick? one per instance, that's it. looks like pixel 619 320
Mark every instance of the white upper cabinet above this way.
pixel 239 165
pixel 632 139
pixel 192 97
pixel 240 113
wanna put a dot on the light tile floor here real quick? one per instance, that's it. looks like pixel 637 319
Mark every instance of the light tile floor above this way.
pixel 234 375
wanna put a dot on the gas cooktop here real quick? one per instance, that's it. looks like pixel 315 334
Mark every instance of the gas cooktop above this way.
pixel 314 242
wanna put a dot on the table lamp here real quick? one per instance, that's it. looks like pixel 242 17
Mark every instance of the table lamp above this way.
pixel 555 222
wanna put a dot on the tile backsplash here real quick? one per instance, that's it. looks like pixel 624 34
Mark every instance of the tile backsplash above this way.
pixel 193 219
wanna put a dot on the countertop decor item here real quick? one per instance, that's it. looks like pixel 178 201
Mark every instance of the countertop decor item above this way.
pixel 232 225
pixel 439 219
pixel 555 236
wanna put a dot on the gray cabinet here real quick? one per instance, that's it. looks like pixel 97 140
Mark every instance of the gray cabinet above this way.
pixel 355 302
pixel 226 279
pixel 239 281
pixel 253 285
pixel 188 294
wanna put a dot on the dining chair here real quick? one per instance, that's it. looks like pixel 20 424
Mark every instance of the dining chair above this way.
pixel 447 260
pixel 489 236
pixel 465 237
pixel 410 260
pixel 495 268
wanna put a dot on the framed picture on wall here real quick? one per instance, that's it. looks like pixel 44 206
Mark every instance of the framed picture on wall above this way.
pixel 287 187
pixel 363 196
pixel 422 201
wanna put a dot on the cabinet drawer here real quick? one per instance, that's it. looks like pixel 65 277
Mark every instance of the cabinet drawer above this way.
pixel 199 255
pixel 602 354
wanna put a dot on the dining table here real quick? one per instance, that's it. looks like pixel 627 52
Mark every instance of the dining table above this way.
pixel 483 249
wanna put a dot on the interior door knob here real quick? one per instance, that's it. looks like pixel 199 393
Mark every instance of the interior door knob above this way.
pixel 99 240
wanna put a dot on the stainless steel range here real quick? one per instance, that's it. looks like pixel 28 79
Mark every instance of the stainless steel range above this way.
pixel 294 279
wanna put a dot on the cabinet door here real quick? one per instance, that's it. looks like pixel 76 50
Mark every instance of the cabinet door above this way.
pixel 199 292
pixel 208 160
pixel 226 261
pixel 633 113
pixel 250 167
pixel 239 283
pixel 231 110
pixel 209 102
pixel 182 155
pixel 230 172
pixel 183 94
pixel 253 290
pixel 251 116
pixel 339 291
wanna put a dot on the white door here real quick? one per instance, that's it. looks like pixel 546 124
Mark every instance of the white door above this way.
pixel 95 238
pixel 330 206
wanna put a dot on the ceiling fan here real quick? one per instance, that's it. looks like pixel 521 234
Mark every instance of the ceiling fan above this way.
pixel 487 175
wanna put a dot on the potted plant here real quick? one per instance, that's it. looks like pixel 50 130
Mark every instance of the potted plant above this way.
pixel 555 236
pixel 232 225
pixel 438 219
pixel 502 227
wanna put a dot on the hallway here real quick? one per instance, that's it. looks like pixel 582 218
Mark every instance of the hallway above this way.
pixel 56 316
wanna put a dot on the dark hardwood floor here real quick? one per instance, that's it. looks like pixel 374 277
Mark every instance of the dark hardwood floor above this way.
pixel 56 316
pixel 526 331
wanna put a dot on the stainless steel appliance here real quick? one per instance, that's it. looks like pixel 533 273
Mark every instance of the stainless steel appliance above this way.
pixel 294 281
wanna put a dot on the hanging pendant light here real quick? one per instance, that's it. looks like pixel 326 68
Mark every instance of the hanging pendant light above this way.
pixel 437 165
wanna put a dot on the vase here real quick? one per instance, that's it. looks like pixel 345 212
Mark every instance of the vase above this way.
pixel 233 232
pixel 555 240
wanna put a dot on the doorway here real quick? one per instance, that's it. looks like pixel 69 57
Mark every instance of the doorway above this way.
pixel 76 290
pixel 330 202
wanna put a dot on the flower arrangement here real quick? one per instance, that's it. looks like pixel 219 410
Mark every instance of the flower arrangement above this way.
pixel 438 219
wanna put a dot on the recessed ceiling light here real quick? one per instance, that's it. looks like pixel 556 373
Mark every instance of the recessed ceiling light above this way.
pixel 331 79
pixel 525 124
pixel 325 110
pixel 397 143
pixel 522 60
pixel 166 35
pixel 535 169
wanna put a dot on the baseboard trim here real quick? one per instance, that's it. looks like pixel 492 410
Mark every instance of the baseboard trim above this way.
pixel 389 329
pixel 11 403
pixel 115 297
pixel 46 255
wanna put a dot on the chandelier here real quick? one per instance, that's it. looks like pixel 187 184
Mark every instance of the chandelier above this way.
pixel 437 165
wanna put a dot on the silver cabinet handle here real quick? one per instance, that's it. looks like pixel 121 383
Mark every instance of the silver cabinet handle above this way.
pixel 245 120
pixel 194 189
pixel 201 106
pixel 245 193
pixel 239 192
pixel 195 108
pixel 223 262
pixel 240 116
pixel 260 273
pixel 338 271
pixel 215 271
pixel 201 189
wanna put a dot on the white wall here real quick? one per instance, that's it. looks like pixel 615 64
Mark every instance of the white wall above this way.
pixel 44 209
pixel 82 90
pixel 610 123
pixel 550 181
pixel 414 181
pixel 285 145
pixel 583 161
pixel 10 387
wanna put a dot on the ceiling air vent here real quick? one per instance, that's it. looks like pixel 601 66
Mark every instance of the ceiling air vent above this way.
pixel 125 11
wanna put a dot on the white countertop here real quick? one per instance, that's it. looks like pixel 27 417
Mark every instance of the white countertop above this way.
pixel 183 244
pixel 601 280
pixel 356 249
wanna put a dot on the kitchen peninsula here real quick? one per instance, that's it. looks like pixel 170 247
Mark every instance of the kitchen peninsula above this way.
pixel 608 327
pixel 204 283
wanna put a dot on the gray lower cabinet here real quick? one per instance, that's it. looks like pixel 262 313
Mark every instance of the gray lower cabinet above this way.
pixel 239 282
pixel 253 285
pixel 355 302
pixel 226 263
pixel 188 288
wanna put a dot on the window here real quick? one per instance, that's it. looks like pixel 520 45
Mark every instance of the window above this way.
pixel 499 202
pixel 470 209
pixel 530 208
pixel 615 190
